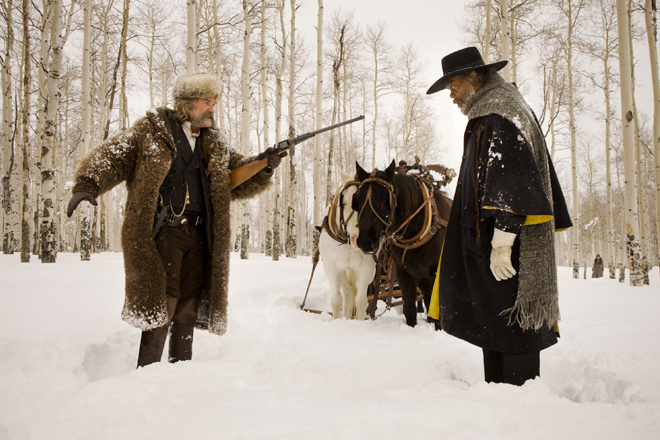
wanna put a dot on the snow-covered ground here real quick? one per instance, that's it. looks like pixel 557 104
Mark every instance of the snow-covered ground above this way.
pixel 67 365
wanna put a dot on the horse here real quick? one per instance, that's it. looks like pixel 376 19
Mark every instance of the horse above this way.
pixel 348 269
pixel 406 215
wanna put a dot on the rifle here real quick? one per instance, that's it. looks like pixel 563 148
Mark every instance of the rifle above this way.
pixel 241 174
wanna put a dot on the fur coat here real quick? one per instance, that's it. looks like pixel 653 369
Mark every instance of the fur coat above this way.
pixel 141 157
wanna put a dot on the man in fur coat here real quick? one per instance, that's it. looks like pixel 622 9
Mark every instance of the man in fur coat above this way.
pixel 175 235
pixel 497 279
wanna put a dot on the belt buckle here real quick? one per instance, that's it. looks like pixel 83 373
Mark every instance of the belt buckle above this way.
pixel 184 221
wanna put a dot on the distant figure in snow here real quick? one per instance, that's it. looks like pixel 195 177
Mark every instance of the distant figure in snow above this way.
pixel 175 236
pixel 597 270
pixel 497 280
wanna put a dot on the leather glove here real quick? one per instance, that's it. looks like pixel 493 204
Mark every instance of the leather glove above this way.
pixel 78 197
pixel 500 256
pixel 274 158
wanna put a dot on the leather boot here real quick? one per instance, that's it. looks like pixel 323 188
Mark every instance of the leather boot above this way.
pixel 151 345
pixel 181 339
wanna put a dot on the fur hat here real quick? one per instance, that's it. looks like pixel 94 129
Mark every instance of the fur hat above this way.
pixel 196 85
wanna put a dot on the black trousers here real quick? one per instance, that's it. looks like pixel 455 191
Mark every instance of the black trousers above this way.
pixel 510 368
pixel 181 249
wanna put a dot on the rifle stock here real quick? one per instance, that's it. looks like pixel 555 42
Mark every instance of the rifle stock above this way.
pixel 241 174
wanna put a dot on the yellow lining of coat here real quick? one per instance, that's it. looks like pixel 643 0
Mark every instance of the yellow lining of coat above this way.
pixel 530 219
pixel 434 306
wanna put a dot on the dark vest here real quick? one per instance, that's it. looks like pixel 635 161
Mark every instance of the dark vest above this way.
pixel 185 178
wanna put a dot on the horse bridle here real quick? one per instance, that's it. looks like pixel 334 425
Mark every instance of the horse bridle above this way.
pixel 392 198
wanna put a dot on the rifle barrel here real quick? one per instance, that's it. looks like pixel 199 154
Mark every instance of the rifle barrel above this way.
pixel 296 140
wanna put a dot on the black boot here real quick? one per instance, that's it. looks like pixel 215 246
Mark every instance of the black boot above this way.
pixel 151 346
pixel 181 339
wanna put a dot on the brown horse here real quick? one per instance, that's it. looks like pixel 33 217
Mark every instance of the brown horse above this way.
pixel 407 216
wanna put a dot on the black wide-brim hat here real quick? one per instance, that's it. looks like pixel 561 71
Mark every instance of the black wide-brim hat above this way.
pixel 462 61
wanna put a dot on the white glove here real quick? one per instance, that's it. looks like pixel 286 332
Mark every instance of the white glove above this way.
pixel 500 256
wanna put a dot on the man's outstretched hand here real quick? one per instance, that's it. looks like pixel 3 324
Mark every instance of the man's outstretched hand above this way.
pixel 273 157
pixel 78 197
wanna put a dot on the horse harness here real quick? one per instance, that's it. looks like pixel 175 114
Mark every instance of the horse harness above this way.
pixel 338 231
pixel 432 220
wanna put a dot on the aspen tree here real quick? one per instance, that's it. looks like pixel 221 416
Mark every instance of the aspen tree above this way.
pixel 245 121
pixel 84 210
pixel 291 236
pixel 267 240
pixel 277 203
pixel 7 136
pixel 319 203
pixel 486 54
pixel 48 227
pixel 505 31
pixel 650 16
pixel 627 117
pixel 191 41
pixel 27 76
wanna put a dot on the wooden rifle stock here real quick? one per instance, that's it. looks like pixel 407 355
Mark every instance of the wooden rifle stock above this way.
pixel 241 174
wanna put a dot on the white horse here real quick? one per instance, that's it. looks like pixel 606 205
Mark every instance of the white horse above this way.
pixel 348 269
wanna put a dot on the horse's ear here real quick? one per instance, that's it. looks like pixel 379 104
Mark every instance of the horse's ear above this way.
pixel 360 173
pixel 345 177
pixel 389 172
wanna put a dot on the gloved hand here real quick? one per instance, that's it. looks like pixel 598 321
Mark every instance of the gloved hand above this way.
pixel 78 197
pixel 500 256
pixel 274 158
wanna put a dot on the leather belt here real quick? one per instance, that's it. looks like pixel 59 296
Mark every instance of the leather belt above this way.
pixel 184 220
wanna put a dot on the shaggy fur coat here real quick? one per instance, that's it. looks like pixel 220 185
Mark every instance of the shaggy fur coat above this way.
pixel 141 157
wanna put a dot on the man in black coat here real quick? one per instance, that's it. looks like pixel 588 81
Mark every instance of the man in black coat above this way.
pixel 497 280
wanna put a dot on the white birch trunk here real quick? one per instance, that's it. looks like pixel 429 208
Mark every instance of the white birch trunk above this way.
pixel 191 40
pixel 291 246
pixel 571 111
pixel 627 117
pixel 7 135
pixel 486 54
pixel 267 237
pixel 318 153
pixel 245 121
pixel 218 68
pixel 652 36
pixel 277 203
pixel 506 38
pixel 84 211
pixel 25 196
pixel 48 225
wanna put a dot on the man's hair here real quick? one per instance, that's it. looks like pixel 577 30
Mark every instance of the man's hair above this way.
pixel 483 75
pixel 182 109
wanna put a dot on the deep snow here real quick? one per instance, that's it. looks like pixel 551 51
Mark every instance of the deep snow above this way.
pixel 67 365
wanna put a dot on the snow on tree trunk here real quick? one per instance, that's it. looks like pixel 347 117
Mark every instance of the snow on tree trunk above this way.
pixel 631 217
pixel 27 77
pixel 652 36
pixel 7 135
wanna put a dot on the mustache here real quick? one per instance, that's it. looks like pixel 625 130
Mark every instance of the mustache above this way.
pixel 203 116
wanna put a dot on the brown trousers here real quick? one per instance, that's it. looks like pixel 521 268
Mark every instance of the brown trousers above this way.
pixel 181 249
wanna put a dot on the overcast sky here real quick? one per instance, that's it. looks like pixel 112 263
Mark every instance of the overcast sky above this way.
pixel 432 26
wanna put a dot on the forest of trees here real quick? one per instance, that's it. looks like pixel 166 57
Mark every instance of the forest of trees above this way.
pixel 74 71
